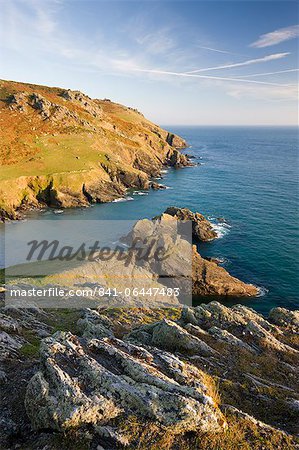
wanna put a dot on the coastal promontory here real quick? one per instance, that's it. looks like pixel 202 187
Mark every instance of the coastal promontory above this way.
pixel 60 148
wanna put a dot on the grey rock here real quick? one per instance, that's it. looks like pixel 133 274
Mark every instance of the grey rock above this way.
pixel 284 317
pixel 92 381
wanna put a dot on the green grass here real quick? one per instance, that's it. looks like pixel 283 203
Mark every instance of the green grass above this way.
pixel 29 350
pixel 57 154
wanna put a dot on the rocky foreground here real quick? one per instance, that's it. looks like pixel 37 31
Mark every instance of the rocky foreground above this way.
pixel 62 149
pixel 208 377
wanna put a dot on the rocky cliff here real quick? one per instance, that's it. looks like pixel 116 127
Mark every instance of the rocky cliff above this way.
pixel 61 148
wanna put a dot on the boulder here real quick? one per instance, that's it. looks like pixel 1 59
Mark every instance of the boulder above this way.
pixel 202 229
pixel 157 186
pixel 284 317
pixel 169 335
pixel 92 382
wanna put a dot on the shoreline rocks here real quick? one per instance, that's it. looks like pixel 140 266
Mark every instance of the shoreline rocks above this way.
pixel 202 229
pixel 183 259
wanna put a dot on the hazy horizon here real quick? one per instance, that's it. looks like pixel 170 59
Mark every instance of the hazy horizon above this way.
pixel 179 63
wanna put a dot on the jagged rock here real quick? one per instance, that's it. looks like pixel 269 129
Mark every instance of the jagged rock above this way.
pixel 93 381
pixel 171 336
pixel 40 103
pixel 49 110
pixel 157 373
pixel 210 279
pixel 84 101
pixel 9 345
pixel 177 159
pixel 264 338
pixel 202 229
pixel 238 325
pixel 283 317
pixel 94 325
pixel 216 314
pixel 181 261
pixel 18 101
pixel 175 141
pixel 157 186
pixel 225 336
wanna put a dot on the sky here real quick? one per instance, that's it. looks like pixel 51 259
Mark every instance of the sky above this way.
pixel 178 62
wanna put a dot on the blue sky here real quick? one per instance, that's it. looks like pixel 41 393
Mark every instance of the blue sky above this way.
pixel 179 62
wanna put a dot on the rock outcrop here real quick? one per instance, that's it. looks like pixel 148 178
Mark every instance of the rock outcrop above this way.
pixel 177 159
pixel 110 387
pixel 94 381
pixel 210 279
pixel 182 261
pixel 83 101
pixel 202 229
pixel 285 318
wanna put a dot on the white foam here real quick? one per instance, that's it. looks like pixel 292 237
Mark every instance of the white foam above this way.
pixel 120 200
pixel 222 229
pixel 140 193
pixel 58 211
pixel 262 291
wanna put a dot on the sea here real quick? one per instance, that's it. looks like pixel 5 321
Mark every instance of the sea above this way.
pixel 246 182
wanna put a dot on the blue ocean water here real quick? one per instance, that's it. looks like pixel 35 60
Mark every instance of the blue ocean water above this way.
pixel 249 177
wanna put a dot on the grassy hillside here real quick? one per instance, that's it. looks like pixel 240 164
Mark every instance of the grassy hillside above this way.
pixel 62 148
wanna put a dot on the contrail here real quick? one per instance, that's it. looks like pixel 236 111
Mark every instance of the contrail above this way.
pixel 243 63
pixel 208 77
pixel 267 73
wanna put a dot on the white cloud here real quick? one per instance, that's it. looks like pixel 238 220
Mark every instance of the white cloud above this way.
pixel 159 42
pixel 265 93
pixel 244 63
pixel 37 26
pixel 276 37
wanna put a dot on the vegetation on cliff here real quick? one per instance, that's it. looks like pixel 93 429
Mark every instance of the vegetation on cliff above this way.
pixel 61 148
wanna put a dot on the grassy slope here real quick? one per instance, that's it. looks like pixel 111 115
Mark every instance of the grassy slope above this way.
pixel 34 147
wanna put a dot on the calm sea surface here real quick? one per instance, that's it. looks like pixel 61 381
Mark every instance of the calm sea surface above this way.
pixel 249 177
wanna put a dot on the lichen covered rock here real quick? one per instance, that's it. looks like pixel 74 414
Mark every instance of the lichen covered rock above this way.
pixel 84 381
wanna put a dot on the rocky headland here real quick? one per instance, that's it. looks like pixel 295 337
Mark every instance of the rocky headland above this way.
pixel 60 148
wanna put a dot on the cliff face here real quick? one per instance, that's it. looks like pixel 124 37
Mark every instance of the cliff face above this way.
pixel 62 148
